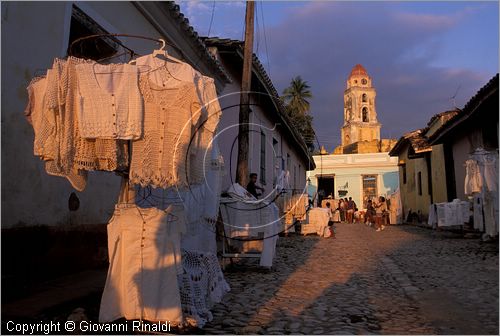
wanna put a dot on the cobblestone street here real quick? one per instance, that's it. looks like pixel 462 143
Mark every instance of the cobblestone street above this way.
pixel 404 280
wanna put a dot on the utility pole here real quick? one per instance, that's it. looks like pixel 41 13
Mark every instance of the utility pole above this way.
pixel 243 147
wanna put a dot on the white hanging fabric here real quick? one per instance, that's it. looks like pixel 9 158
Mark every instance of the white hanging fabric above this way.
pixel 144 257
pixel 484 167
pixel 432 220
pixel 478 212
pixel 201 285
pixel 84 114
pixel 473 177
pixel 252 219
pixel 110 102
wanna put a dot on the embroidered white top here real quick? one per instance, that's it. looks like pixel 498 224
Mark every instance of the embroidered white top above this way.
pixel 144 259
pixel 204 117
pixel 160 157
pixel 110 102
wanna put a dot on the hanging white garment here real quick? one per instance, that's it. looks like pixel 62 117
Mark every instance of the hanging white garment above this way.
pixel 491 172
pixel 473 177
pixel 478 212
pixel 490 213
pixel 204 117
pixel 36 112
pixel 432 220
pixel 161 158
pixel 201 285
pixel 110 102
pixel 317 221
pixel 142 276
pixel 249 219
pixel 465 211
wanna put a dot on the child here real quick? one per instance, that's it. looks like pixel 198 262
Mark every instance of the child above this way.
pixel 330 220
pixel 381 208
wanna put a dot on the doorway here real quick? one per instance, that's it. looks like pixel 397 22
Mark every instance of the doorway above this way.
pixel 326 187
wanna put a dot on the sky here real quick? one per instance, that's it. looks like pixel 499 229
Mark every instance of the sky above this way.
pixel 419 54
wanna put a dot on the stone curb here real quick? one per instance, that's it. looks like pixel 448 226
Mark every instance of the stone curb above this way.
pixel 400 277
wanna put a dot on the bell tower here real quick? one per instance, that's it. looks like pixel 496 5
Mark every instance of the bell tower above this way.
pixel 360 116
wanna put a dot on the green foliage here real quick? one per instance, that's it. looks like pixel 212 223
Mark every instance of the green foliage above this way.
pixel 296 98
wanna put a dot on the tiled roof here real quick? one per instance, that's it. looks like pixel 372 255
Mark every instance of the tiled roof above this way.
pixel 183 22
pixel 486 91
pixel 416 139
pixel 259 69
pixel 447 114
pixel 358 70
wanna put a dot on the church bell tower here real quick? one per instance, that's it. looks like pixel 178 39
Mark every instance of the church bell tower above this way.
pixel 360 116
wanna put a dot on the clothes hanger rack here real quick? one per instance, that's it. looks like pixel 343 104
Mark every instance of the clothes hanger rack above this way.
pixel 112 36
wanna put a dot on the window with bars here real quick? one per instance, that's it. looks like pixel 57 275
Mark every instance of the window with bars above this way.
pixel 369 186
pixel 83 25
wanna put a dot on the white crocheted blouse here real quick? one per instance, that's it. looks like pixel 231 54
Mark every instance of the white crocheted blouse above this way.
pixel 110 102
pixel 52 108
pixel 192 158
pixel 160 158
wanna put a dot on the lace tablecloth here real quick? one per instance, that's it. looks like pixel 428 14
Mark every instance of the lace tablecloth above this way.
pixel 201 285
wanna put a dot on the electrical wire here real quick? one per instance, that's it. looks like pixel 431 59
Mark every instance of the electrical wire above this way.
pixel 257 26
pixel 265 38
pixel 211 19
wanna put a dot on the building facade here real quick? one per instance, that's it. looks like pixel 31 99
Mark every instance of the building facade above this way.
pixel 360 176
pixel 275 145
pixel 361 167
pixel 360 115
pixel 432 159
pixel 422 167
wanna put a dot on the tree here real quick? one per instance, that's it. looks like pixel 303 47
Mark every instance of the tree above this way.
pixel 295 96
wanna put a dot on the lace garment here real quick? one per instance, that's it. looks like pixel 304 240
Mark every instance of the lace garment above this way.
pixel 201 285
pixel 207 119
pixel 161 158
pixel 111 105
pixel 204 120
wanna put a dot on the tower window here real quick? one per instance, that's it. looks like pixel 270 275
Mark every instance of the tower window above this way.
pixel 365 114
pixel 364 81
pixel 364 98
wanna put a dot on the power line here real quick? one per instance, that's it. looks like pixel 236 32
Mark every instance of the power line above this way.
pixel 258 30
pixel 265 38
pixel 211 19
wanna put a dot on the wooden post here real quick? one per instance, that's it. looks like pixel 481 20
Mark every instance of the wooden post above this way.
pixel 127 191
pixel 243 146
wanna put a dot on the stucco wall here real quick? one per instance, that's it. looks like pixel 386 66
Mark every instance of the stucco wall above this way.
pixel 260 121
pixel 424 200
pixel 33 34
pixel 461 149
pixel 349 169
pixel 439 191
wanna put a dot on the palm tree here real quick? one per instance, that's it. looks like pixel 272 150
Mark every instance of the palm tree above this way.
pixel 295 96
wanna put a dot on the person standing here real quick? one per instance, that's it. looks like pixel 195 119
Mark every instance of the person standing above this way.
pixel 330 220
pixel 351 205
pixel 342 210
pixel 370 213
pixel 380 210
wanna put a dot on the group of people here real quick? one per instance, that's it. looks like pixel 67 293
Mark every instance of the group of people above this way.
pixel 374 214
pixel 347 209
